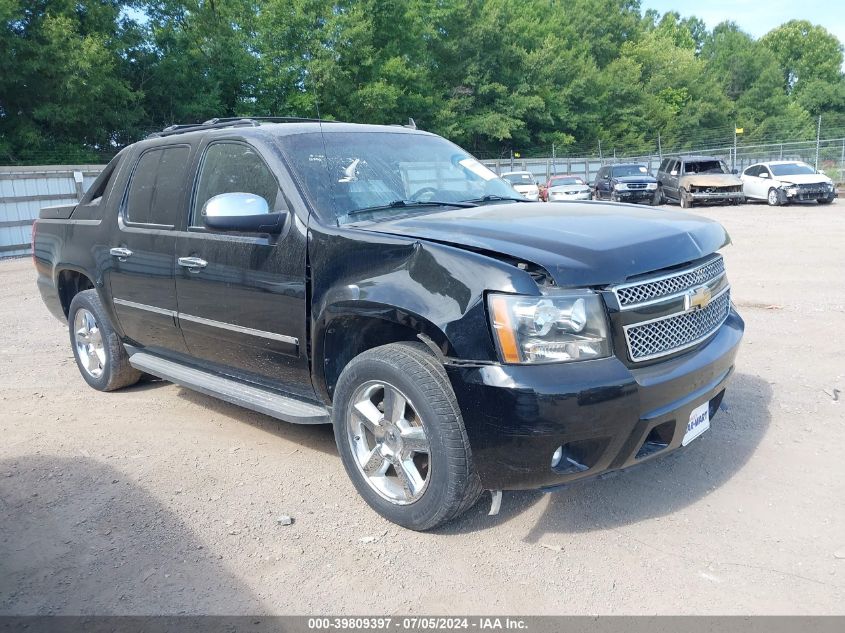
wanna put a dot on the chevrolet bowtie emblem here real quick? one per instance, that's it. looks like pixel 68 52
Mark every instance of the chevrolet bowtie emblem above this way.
pixel 697 298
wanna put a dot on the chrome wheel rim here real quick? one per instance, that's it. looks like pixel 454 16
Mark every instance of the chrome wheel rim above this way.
pixel 89 343
pixel 388 442
pixel 773 197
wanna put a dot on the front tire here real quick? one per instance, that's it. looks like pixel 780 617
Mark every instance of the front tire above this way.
pixel 100 356
pixel 824 200
pixel 685 200
pixel 773 198
pixel 401 437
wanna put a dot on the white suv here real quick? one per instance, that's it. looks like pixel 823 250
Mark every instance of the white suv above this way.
pixel 524 183
pixel 784 181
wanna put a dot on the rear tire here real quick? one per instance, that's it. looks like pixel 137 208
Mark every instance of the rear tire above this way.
pixel 100 356
pixel 411 461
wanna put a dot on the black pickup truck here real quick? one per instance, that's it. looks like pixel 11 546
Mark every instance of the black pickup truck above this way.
pixel 379 278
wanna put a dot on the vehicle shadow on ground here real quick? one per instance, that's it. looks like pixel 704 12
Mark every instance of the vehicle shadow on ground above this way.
pixel 653 489
pixel 77 537
pixel 318 437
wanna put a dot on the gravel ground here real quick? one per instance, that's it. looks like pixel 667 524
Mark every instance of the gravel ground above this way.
pixel 156 499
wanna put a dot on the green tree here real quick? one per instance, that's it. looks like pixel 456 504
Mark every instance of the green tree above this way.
pixel 63 97
pixel 805 52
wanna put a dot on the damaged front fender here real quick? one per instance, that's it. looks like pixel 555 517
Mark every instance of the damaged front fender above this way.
pixel 370 288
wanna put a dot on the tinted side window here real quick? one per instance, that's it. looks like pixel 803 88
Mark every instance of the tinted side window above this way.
pixel 234 168
pixel 155 190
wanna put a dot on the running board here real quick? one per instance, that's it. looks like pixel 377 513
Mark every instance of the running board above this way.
pixel 241 394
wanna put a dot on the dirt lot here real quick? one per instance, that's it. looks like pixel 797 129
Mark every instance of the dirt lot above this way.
pixel 160 500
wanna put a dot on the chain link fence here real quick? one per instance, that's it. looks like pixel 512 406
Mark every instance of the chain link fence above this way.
pixel 827 155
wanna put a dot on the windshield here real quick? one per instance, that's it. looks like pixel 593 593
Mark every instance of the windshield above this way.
pixel 518 179
pixel 388 173
pixel 629 170
pixel 791 169
pixel 706 167
pixel 566 180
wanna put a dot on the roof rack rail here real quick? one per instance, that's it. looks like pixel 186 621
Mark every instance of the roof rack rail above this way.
pixel 223 122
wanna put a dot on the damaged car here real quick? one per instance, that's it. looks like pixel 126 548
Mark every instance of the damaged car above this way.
pixel 689 180
pixel 784 181
pixel 380 279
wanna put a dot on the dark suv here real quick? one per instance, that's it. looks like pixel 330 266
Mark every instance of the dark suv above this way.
pixel 381 279
pixel 625 183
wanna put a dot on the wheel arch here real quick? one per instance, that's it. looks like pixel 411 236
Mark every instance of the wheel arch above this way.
pixel 69 283
pixel 349 330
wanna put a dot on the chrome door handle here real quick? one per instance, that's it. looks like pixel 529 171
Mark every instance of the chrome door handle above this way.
pixel 121 253
pixel 194 264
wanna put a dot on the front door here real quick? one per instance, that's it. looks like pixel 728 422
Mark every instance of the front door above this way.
pixel 242 298
pixel 141 271
pixel 670 180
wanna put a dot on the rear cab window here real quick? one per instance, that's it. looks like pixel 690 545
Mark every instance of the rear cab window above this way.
pixel 156 188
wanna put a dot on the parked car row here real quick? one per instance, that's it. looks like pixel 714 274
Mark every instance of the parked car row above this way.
pixel 686 180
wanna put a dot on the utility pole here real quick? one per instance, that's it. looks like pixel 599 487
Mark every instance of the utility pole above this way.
pixel 511 159
pixel 660 147
pixel 733 158
pixel 842 163
pixel 600 158
pixel 554 163
pixel 818 141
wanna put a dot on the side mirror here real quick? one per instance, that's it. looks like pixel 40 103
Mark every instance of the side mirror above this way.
pixel 674 172
pixel 245 212
pixel 762 174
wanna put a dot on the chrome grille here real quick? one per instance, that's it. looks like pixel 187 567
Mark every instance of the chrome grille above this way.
pixel 678 331
pixel 636 185
pixel 634 294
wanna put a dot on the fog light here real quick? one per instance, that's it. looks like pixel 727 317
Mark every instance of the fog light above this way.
pixel 558 454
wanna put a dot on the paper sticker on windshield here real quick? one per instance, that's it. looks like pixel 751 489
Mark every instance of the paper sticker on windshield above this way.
pixel 643 170
pixel 477 168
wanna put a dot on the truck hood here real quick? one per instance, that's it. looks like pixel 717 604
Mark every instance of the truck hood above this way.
pixel 643 178
pixel 711 180
pixel 803 179
pixel 578 243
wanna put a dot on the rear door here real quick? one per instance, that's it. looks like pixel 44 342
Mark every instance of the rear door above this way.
pixel 141 271
pixel 602 183
pixel 751 185
pixel 242 297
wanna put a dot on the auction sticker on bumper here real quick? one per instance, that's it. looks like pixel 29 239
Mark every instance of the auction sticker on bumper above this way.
pixel 699 421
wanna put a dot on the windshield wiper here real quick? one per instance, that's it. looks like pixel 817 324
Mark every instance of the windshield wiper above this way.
pixel 496 198
pixel 407 204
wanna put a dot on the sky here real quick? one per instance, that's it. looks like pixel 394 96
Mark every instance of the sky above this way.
pixel 758 17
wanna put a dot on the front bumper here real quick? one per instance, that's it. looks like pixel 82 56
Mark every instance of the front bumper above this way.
pixel 717 195
pixel 635 195
pixel 607 415
pixel 563 197
pixel 809 194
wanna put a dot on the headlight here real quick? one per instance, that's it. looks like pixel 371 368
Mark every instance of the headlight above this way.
pixel 558 327
pixel 651 186
pixel 792 190
pixel 619 186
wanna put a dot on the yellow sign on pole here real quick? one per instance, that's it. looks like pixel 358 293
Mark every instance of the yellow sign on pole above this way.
pixel 739 130
pixel 517 155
